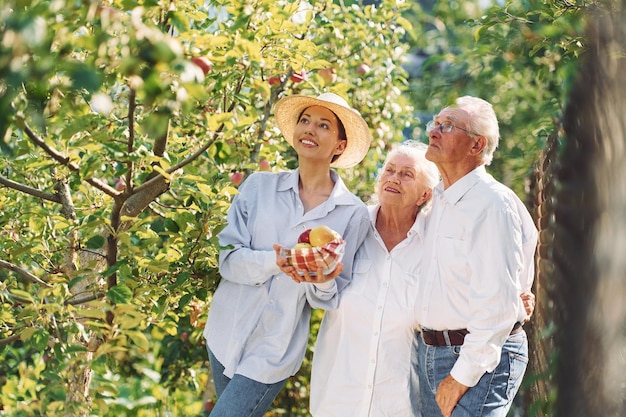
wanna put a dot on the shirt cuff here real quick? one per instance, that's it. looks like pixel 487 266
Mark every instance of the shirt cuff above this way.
pixel 466 373
pixel 328 286
pixel 270 263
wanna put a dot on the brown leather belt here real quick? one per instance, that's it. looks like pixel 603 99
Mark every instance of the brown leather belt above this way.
pixel 453 337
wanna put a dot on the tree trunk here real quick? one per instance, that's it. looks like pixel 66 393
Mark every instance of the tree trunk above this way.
pixel 586 267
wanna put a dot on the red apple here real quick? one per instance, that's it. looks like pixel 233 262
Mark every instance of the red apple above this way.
pixel 236 178
pixel 184 336
pixel 208 406
pixel 298 76
pixel 363 69
pixel 329 75
pixel 204 64
pixel 264 165
pixel 119 184
pixel 304 236
pixel 274 80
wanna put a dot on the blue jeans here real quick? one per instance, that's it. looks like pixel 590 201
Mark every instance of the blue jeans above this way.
pixel 494 393
pixel 241 396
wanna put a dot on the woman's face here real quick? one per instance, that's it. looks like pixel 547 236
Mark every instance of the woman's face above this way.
pixel 400 184
pixel 316 135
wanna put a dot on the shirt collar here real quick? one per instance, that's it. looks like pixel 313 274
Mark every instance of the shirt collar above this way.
pixel 457 190
pixel 340 194
pixel 418 226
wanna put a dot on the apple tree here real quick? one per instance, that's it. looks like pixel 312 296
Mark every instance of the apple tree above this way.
pixel 125 128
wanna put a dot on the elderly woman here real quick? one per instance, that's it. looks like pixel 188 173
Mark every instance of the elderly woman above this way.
pixel 365 353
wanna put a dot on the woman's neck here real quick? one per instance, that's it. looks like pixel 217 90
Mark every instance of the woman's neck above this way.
pixel 315 185
pixel 393 224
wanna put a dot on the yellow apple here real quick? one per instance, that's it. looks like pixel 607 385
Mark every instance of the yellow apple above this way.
pixel 302 245
pixel 321 235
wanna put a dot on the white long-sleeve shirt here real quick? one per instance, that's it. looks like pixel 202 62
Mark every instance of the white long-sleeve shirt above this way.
pixel 364 363
pixel 258 323
pixel 478 258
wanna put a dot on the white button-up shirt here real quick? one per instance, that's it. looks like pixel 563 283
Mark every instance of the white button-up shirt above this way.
pixel 478 257
pixel 258 323
pixel 365 356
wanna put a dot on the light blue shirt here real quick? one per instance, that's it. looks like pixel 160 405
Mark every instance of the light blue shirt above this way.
pixel 258 324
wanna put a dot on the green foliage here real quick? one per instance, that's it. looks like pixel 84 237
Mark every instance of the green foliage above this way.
pixel 521 57
pixel 116 152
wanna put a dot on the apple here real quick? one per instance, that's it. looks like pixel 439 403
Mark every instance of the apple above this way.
pixel 236 178
pixel 329 75
pixel 298 76
pixel 274 80
pixel 120 184
pixel 264 165
pixel 204 64
pixel 208 405
pixel 321 235
pixel 303 245
pixel 184 336
pixel 304 236
pixel 363 69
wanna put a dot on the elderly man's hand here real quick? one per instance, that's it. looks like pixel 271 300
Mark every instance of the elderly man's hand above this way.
pixel 449 392
pixel 528 298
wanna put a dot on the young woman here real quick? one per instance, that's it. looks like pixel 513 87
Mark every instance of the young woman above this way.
pixel 258 324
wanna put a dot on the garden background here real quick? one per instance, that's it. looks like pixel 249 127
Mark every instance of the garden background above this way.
pixel 126 127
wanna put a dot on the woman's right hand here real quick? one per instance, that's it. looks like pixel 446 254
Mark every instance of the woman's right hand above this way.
pixel 303 275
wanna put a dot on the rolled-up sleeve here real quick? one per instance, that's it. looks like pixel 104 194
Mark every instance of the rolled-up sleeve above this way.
pixel 240 263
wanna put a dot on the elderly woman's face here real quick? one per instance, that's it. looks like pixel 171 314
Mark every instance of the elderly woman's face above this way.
pixel 400 185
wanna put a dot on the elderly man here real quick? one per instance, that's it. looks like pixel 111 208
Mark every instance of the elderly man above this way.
pixel 479 255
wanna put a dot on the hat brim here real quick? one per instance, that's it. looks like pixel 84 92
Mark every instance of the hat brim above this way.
pixel 358 135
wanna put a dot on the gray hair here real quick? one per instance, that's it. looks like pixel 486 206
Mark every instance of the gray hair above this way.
pixel 426 170
pixel 482 122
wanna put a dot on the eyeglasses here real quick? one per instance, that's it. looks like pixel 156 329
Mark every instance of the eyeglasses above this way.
pixel 444 127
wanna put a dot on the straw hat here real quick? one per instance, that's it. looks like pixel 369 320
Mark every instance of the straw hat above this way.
pixel 288 109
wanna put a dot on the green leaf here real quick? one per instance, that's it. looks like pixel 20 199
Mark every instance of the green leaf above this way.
pixel 139 339
pixel 39 339
pixel 95 242
pixel 120 294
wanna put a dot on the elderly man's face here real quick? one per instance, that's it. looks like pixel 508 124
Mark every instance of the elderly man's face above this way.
pixel 453 146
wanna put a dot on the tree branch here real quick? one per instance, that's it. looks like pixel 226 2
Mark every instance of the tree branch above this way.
pixel 64 160
pixel 29 190
pixel 9 339
pixel 23 273
pixel 86 299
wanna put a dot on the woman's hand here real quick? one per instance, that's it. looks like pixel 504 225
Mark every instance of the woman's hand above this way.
pixel 319 276
pixel 299 275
